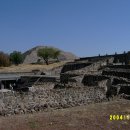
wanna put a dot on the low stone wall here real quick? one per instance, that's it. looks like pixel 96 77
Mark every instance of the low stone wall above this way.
pixel 117 73
pixel 54 71
pixel 119 66
pixel 124 88
pixel 117 81
pixel 42 100
pixel 90 69
pixel 74 66
pixel 110 58
pixel 65 78
pixel 90 80
pixel 94 66
pixel 27 81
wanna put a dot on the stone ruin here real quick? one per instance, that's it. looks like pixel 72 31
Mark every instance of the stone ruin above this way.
pixel 100 73
pixel 81 82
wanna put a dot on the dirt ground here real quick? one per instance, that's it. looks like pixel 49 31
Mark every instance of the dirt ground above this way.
pixel 30 67
pixel 90 117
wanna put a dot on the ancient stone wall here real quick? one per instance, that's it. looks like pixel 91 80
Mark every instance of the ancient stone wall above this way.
pixel 74 66
pixel 26 82
pixel 95 58
pixel 80 71
pixel 65 78
pixel 119 66
pixel 117 73
pixel 42 100
pixel 90 68
pixel 90 80
pixel 54 71
pixel 117 81
pixel 124 89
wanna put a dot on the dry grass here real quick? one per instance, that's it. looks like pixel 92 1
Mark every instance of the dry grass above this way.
pixel 30 67
pixel 91 117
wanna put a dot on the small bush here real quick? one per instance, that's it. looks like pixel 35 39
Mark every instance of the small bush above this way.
pixel 16 57
pixel 4 60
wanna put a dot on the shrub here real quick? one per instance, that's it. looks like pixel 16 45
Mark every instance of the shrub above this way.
pixel 16 57
pixel 4 59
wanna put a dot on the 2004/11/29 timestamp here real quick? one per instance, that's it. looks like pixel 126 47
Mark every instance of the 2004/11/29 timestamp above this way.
pixel 119 117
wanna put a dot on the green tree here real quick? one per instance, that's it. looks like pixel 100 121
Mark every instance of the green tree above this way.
pixel 4 59
pixel 47 53
pixel 16 57
pixel 56 53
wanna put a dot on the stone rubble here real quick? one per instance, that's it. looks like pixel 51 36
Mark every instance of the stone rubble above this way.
pixel 42 100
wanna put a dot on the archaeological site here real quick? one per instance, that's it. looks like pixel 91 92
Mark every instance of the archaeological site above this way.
pixel 80 82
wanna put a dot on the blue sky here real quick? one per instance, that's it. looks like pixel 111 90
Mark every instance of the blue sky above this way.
pixel 83 27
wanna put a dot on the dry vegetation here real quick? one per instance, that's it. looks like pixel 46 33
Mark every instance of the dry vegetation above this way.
pixel 91 117
pixel 30 67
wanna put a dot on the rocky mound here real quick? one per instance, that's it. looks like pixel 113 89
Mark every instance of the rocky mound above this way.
pixel 31 55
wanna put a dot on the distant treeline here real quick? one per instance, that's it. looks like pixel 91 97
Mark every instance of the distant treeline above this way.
pixel 13 58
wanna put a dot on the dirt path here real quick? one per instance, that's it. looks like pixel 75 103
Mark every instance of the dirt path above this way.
pixel 92 117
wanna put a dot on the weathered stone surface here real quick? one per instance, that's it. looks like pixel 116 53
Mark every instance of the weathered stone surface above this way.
pixel 41 100
pixel 118 73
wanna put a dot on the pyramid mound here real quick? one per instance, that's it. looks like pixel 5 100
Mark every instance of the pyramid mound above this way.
pixel 31 55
